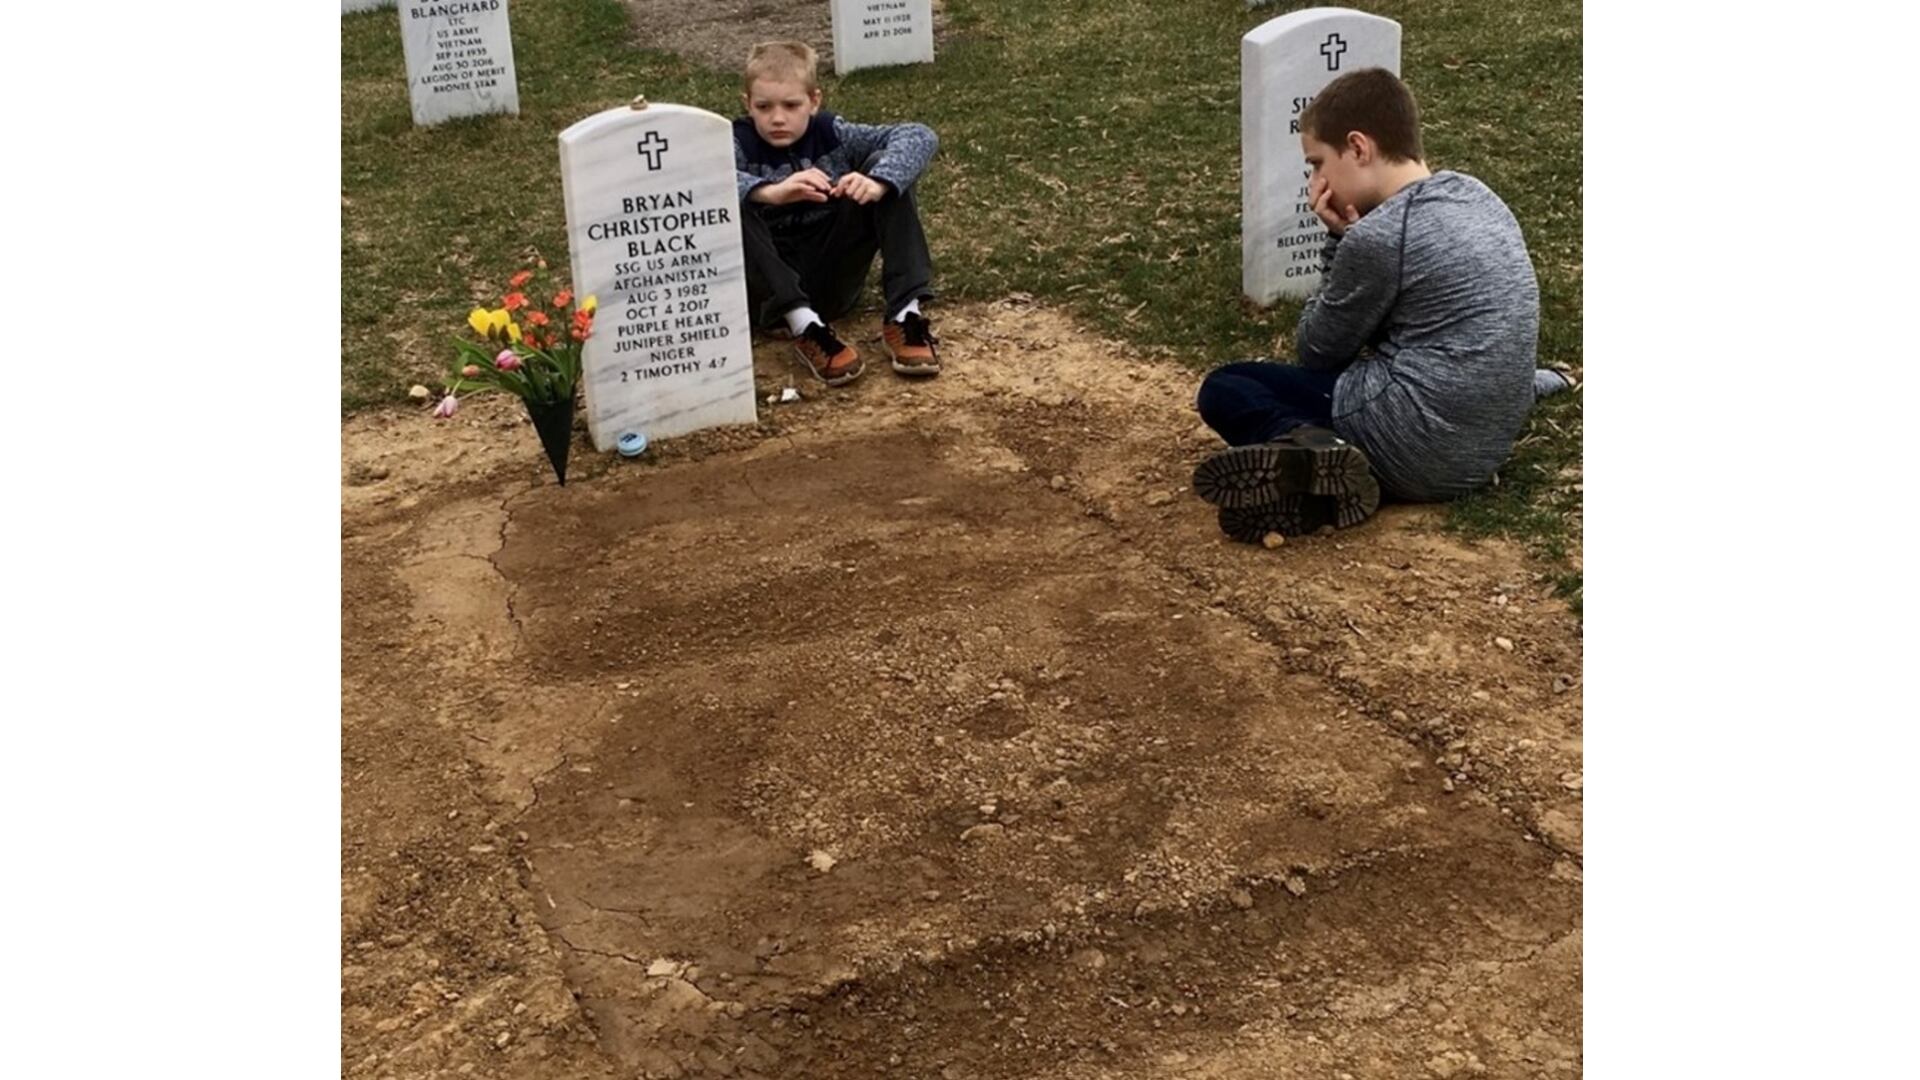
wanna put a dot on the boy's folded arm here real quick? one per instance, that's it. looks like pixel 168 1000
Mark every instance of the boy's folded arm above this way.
pixel 742 179
pixel 895 153
pixel 1355 296
pixel 746 182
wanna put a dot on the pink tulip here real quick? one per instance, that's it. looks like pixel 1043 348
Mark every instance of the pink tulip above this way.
pixel 508 360
pixel 447 407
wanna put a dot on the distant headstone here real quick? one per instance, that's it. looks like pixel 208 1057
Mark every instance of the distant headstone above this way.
pixel 459 58
pixel 653 226
pixel 348 7
pixel 881 33
pixel 1283 63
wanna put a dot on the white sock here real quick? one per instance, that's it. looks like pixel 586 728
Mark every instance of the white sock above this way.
pixel 912 308
pixel 802 317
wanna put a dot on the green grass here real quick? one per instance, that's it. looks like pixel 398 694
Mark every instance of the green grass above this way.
pixel 1089 156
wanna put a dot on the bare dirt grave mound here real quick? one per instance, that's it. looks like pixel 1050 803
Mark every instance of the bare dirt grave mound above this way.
pixel 933 730
pixel 720 33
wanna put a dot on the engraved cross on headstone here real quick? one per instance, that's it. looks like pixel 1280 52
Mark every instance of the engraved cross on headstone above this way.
pixel 1332 48
pixel 651 148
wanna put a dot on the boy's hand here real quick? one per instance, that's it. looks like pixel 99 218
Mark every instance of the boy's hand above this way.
pixel 1320 195
pixel 808 185
pixel 860 188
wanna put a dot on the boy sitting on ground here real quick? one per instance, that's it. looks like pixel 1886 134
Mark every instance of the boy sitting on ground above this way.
pixel 820 196
pixel 1416 352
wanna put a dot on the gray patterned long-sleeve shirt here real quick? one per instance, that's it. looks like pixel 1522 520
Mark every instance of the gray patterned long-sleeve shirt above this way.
pixel 1430 310
pixel 894 153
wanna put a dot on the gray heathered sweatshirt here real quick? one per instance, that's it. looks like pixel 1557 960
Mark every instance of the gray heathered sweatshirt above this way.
pixel 1430 305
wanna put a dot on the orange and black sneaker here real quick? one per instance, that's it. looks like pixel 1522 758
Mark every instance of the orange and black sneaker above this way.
pixel 910 342
pixel 831 360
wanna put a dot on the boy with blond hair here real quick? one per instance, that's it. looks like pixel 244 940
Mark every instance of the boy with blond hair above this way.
pixel 1416 367
pixel 820 196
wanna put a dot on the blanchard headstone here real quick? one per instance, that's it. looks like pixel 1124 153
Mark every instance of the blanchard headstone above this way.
pixel 1284 62
pixel 881 33
pixel 348 7
pixel 459 58
pixel 653 227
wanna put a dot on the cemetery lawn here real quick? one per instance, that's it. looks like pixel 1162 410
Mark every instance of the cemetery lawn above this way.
pixel 1089 159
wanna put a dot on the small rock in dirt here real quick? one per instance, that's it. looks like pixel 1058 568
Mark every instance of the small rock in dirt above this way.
pixel 930 895
pixel 1562 683
pixel 1297 885
pixel 663 968
pixel 1159 498
pixel 1446 784
pixel 988 831
pixel 1241 898
pixel 503 1039
pixel 1092 959
pixel 1481 695
pixel 418 392
pixel 1397 716
pixel 1178 1009
pixel 1272 540
pixel 1058 483
pixel 1504 644
pixel 821 861
pixel 519 1007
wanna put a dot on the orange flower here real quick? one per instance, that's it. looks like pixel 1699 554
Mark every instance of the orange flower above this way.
pixel 563 298
pixel 513 301
pixel 579 334
pixel 537 318
pixel 520 279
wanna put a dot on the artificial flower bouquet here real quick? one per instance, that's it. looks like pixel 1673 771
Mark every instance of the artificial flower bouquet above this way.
pixel 529 347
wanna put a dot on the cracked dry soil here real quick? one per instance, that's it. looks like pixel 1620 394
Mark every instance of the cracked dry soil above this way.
pixel 1096 792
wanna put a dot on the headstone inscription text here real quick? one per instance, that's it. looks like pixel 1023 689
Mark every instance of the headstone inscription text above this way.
pixel 1284 62
pixel 881 33
pixel 459 58
pixel 653 229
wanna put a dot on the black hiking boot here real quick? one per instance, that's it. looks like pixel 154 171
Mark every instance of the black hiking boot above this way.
pixel 1299 515
pixel 1306 461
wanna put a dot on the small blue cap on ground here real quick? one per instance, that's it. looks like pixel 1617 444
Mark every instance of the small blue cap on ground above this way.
pixel 633 444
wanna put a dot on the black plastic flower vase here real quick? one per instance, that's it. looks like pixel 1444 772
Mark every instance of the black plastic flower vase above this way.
pixel 554 421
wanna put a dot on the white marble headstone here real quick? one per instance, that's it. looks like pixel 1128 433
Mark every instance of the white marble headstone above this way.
pixel 1284 62
pixel 459 58
pixel 881 33
pixel 347 7
pixel 653 225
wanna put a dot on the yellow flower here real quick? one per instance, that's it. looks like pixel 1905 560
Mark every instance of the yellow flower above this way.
pixel 497 321
pixel 589 303
pixel 513 332
pixel 477 318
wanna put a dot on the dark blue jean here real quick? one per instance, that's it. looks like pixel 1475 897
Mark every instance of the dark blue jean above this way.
pixel 1258 401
